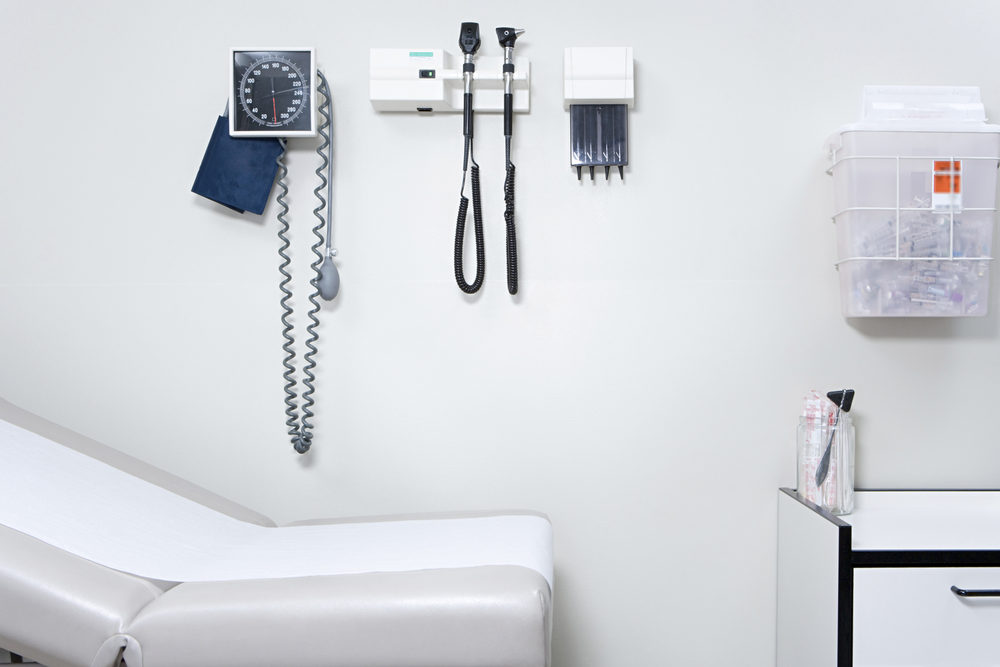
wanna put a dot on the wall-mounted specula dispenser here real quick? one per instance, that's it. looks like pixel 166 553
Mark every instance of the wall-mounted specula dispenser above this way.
pixel 915 193
pixel 598 91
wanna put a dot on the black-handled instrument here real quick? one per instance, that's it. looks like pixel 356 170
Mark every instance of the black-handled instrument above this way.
pixel 507 37
pixel 468 41
pixel 843 399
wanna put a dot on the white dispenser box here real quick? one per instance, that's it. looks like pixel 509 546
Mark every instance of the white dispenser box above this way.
pixel 915 194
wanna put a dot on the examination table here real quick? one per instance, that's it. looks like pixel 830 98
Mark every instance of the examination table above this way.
pixel 106 560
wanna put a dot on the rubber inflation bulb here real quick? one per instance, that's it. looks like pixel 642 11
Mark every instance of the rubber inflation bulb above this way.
pixel 329 279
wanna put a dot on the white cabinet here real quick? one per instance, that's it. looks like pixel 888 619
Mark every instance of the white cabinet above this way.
pixel 875 588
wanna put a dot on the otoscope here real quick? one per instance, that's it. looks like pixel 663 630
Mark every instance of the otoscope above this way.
pixel 507 37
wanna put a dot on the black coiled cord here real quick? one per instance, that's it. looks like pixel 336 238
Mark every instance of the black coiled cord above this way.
pixel 508 216
pixel 477 221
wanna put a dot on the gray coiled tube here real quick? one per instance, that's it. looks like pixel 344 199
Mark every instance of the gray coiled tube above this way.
pixel 300 430
pixel 291 406
pixel 329 277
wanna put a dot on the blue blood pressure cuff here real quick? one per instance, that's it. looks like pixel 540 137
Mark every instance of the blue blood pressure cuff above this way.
pixel 237 173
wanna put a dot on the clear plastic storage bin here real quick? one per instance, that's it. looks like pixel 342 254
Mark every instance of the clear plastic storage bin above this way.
pixel 915 194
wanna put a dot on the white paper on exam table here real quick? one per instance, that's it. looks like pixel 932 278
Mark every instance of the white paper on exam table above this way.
pixel 84 506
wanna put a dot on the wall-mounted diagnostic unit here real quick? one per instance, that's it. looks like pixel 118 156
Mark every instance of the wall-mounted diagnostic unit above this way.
pixel 429 80
pixel 274 96
pixel 598 91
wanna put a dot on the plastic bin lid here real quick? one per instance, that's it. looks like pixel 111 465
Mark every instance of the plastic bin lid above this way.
pixel 922 109
pixel 917 109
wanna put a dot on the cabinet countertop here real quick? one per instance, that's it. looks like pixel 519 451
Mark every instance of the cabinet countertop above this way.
pixel 925 520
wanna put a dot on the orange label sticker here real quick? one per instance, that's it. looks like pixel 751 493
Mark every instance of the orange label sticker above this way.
pixel 947 193
pixel 947 165
pixel 947 183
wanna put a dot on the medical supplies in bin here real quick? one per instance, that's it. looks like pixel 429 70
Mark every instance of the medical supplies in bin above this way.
pixel 915 198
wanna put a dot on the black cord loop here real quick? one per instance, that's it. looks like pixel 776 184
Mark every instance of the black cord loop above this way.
pixel 477 221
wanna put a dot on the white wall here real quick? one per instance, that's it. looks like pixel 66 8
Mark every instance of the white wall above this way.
pixel 642 389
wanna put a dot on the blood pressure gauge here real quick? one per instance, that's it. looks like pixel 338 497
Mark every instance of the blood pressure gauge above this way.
pixel 271 92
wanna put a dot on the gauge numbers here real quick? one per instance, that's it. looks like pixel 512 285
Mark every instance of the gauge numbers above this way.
pixel 272 92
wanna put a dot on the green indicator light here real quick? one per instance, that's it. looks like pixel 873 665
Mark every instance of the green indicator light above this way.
pixel 421 54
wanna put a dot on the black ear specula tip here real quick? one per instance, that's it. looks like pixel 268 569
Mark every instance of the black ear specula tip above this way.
pixel 507 36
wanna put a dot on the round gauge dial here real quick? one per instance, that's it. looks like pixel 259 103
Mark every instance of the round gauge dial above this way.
pixel 272 93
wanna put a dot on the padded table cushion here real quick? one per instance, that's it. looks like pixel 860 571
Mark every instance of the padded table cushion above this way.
pixel 491 616
pixel 66 611
pixel 60 609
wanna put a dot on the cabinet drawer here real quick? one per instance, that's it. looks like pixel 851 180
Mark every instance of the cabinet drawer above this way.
pixel 910 616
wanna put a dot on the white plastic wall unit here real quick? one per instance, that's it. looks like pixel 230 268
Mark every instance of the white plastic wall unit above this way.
pixel 598 91
pixel 598 75
pixel 431 80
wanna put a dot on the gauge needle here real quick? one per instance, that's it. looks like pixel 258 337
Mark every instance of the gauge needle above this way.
pixel 274 104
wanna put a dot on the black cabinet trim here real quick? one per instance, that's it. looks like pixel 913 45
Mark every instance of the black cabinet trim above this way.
pixel 926 558
pixel 845 600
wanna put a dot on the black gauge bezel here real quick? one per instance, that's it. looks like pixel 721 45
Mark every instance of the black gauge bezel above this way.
pixel 299 64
